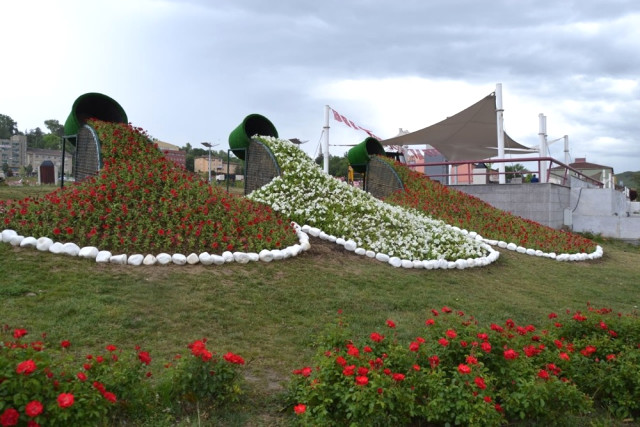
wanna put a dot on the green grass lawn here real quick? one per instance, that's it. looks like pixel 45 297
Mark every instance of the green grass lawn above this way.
pixel 270 312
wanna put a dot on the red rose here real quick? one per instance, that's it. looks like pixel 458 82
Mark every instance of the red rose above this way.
pixel 26 367
pixel 233 358
pixel 391 323
pixel 480 383
pixel 398 377
pixel 144 357
pixel 362 380
pixel 110 396
pixel 510 354
pixel 300 408
pixel 464 369
pixel 19 333
pixel 65 400
pixel 33 408
pixel 9 417
pixel 81 376
pixel 65 344
pixel 376 337
pixel 451 333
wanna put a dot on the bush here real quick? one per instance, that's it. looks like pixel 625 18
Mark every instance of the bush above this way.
pixel 458 372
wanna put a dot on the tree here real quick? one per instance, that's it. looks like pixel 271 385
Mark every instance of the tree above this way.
pixel 338 166
pixel 35 138
pixel 55 128
pixel 7 170
pixel 517 168
pixel 8 127
pixel 52 142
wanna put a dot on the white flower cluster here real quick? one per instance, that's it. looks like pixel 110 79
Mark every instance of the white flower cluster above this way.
pixel 45 244
pixel 309 196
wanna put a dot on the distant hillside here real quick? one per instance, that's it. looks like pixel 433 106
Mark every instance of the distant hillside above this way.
pixel 629 179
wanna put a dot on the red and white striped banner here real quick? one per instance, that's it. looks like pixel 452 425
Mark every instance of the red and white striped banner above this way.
pixel 340 118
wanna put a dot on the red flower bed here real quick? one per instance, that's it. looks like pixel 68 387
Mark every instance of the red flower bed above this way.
pixel 140 202
pixel 469 212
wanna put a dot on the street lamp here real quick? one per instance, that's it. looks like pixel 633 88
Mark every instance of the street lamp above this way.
pixel 209 145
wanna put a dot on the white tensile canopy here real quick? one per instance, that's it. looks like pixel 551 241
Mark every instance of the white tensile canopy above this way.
pixel 470 134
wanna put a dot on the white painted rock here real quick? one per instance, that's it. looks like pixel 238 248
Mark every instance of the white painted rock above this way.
pixel 70 249
pixel 360 251
pixel 512 246
pixel 7 235
pixel 178 259
pixel 135 259
pixel 340 241
pixel 382 257
pixel 89 252
pixel 395 261
pixel 16 240
pixel 405 263
pixel 217 259
pixel 103 256
pixel 460 264
pixel 118 259
pixel 253 257
pixel 521 249
pixel 228 256
pixel 205 258
pixel 55 248
pixel 193 259
pixel 502 244
pixel 429 264
pixel 332 239
pixel 241 257
pixel 305 228
pixel 418 264
pixel 43 244
pixel 163 258
pixel 29 242
pixel 277 254
pixel 323 235
pixel 150 260
pixel 350 245
pixel 370 254
pixel 305 245
pixel 314 232
pixel 451 265
pixel 265 255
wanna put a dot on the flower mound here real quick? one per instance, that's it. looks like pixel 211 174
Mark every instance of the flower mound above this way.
pixel 309 196
pixel 471 213
pixel 140 202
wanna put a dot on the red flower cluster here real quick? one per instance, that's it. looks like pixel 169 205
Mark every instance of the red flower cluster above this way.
pixel 233 358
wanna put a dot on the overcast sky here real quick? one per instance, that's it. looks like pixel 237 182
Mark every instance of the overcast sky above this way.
pixel 190 71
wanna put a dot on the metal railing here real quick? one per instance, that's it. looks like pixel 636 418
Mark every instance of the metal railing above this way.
pixel 556 171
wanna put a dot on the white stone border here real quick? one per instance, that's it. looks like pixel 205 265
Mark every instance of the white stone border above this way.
pixel 45 244
pixel 535 252
pixel 460 264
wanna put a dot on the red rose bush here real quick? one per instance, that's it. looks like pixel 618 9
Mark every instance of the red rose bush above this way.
pixel 457 371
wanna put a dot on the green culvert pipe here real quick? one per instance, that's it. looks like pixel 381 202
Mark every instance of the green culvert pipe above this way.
pixel 253 124
pixel 360 154
pixel 93 106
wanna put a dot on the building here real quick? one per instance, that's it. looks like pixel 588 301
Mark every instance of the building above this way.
pixel 13 152
pixel 218 166
pixel 35 157
pixel 173 153
pixel 594 171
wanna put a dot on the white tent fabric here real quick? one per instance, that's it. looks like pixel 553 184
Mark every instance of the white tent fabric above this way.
pixel 471 134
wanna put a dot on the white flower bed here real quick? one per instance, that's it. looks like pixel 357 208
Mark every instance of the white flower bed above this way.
pixel 364 223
